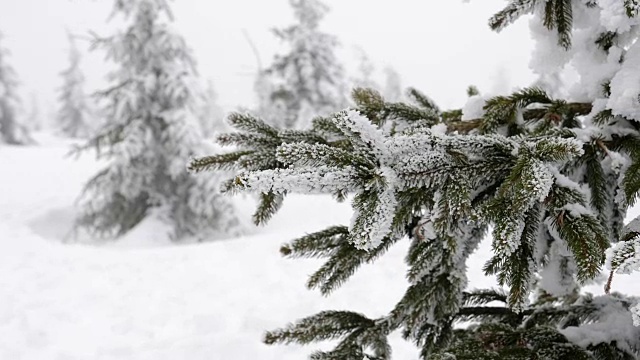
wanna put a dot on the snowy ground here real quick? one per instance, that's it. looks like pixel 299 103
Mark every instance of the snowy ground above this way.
pixel 142 298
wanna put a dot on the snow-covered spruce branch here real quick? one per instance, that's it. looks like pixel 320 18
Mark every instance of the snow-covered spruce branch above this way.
pixel 312 180
pixel 385 165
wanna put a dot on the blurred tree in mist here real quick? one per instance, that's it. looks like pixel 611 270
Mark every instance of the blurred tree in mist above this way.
pixel 152 129
pixel 34 117
pixel 365 76
pixel 210 114
pixel 393 85
pixel 74 115
pixel 11 130
pixel 308 80
pixel 365 73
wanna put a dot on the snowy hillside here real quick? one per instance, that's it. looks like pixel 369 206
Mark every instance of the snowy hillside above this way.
pixel 143 298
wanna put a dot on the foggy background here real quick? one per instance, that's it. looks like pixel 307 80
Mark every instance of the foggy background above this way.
pixel 444 46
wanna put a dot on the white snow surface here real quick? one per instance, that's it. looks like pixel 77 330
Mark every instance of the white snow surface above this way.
pixel 624 86
pixel 143 297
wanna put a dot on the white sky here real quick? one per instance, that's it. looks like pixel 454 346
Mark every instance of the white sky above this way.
pixel 440 47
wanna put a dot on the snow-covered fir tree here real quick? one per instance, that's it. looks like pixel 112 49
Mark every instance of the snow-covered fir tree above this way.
pixel 12 131
pixel 308 79
pixel 549 173
pixel 150 133
pixel 74 115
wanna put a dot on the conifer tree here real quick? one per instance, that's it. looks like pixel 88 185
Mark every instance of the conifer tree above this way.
pixel 74 114
pixel 551 177
pixel 307 80
pixel 150 133
pixel 11 130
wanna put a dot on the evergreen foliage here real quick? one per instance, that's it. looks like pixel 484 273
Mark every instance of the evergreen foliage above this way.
pixel 11 130
pixel 150 133
pixel 74 113
pixel 308 80
pixel 551 177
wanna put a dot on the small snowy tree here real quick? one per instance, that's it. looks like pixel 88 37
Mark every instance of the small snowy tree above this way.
pixel 308 80
pixel 11 130
pixel 74 115
pixel 150 133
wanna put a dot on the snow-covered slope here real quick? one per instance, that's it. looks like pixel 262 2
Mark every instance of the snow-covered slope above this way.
pixel 143 298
